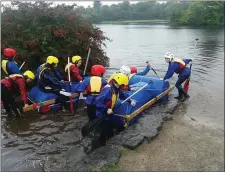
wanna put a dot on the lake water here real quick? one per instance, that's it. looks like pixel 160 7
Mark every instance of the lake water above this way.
pixel 35 136
pixel 136 44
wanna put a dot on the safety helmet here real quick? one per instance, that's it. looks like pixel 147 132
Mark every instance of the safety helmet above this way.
pixel 75 59
pixel 29 74
pixel 133 69
pixel 125 69
pixel 9 52
pixel 52 60
pixel 121 79
pixel 97 70
pixel 169 56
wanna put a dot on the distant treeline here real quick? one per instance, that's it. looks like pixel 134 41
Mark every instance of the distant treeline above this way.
pixel 175 12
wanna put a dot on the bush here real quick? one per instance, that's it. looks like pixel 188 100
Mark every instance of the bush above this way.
pixel 37 30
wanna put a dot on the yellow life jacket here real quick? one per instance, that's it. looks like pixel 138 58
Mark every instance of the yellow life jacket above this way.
pixel 13 75
pixel 131 75
pixel 4 63
pixel 68 66
pixel 180 61
pixel 95 85
pixel 114 97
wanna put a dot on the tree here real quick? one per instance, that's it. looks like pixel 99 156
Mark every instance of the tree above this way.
pixel 37 30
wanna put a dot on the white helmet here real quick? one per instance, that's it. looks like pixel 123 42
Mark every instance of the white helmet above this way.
pixel 125 69
pixel 167 55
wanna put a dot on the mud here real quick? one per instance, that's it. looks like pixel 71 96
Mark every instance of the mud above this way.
pixel 54 142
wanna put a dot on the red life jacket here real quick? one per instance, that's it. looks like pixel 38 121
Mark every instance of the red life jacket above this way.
pixel 16 84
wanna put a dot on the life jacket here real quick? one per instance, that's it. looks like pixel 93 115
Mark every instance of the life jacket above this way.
pixel 12 79
pixel 68 65
pixel 4 66
pixel 72 77
pixel 181 63
pixel 131 75
pixel 114 98
pixel 39 70
pixel 95 85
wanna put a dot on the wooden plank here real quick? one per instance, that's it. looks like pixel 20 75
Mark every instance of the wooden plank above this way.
pixel 45 103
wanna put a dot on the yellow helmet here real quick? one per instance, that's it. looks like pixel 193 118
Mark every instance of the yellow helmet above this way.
pixel 52 60
pixel 75 59
pixel 29 74
pixel 121 79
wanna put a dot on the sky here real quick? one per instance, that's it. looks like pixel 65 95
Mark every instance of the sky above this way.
pixel 79 3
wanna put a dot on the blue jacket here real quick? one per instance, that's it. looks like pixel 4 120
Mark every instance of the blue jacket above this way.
pixel 49 77
pixel 175 67
pixel 85 86
pixel 57 75
pixel 144 72
pixel 104 100
pixel 12 68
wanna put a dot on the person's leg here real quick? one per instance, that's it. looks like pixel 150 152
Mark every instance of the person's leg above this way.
pixel 8 101
pixel 91 111
pixel 179 87
pixel 106 131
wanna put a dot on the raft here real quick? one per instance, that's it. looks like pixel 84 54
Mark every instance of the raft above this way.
pixel 157 91
pixel 46 101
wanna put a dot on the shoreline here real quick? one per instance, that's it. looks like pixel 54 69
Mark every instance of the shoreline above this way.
pixel 183 144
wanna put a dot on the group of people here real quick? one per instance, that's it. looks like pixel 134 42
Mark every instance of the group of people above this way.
pixel 101 95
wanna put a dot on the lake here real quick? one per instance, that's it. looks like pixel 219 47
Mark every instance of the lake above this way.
pixel 33 137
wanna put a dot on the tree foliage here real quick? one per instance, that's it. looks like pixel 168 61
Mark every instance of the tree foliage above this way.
pixel 176 12
pixel 37 30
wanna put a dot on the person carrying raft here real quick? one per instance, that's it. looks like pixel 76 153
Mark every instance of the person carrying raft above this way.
pixel 9 66
pixel 106 101
pixel 178 66
pixel 10 87
pixel 93 86
pixel 50 81
pixel 74 69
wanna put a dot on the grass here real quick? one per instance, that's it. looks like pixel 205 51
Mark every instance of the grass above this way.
pixel 113 168
pixel 133 21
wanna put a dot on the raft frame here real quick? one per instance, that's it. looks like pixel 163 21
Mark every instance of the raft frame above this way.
pixel 128 118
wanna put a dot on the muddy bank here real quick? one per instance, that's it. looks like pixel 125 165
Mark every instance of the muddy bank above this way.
pixel 184 144
pixel 144 130
pixel 54 142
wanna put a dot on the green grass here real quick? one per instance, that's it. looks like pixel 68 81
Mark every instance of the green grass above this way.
pixel 133 21
pixel 113 168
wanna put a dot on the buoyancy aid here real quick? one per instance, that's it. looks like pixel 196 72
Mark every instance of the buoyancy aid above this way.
pixel 95 85
pixel 114 98
pixel 181 63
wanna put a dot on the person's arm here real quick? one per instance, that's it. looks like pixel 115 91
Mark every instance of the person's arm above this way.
pixel 104 82
pixel 83 85
pixel 102 98
pixel 187 61
pixel 76 73
pixel 144 72
pixel 170 71
pixel 58 74
pixel 47 75
pixel 22 88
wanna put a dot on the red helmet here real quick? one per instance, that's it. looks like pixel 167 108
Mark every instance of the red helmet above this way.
pixel 133 69
pixel 9 52
pixel 97 70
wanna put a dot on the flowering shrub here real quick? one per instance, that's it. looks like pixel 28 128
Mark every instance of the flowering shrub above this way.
pixel 37 30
